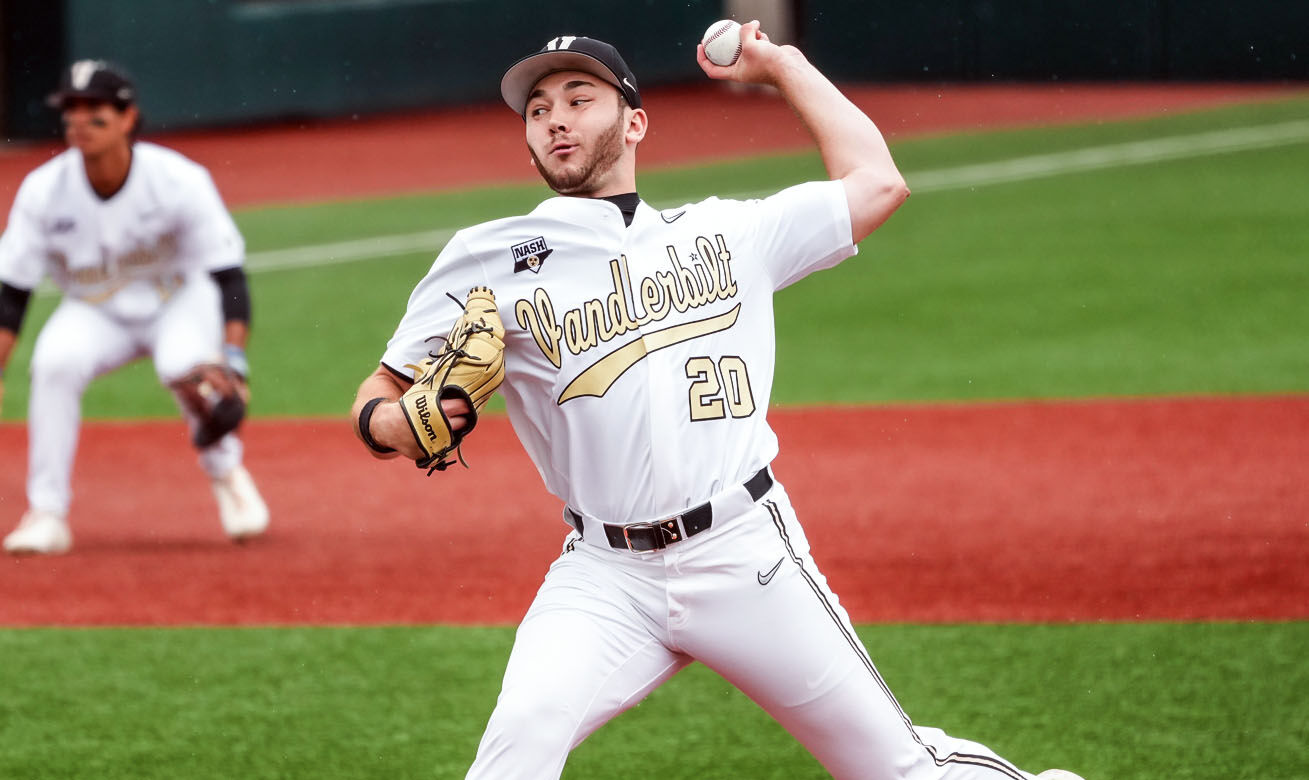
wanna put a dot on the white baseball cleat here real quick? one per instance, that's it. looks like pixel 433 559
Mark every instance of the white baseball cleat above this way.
pixel 240 507
pixel 39 533
pixel 1058 774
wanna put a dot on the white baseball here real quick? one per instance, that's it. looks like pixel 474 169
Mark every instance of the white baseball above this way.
pixel 722 42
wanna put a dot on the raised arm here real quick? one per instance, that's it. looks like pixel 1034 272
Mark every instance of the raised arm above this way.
pixel 852 147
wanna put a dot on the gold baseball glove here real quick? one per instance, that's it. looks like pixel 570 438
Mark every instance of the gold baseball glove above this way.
pixel 470 365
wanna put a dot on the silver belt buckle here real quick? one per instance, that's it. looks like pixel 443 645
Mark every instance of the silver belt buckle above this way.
pixel 627 537
pixel 665 535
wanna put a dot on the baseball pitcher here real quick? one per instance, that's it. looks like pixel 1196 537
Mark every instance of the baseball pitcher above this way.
pixel 149 262
pixel 636 348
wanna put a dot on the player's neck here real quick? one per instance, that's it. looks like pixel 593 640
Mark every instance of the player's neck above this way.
pixel 107 170
pixel 611 189
pixel 619 180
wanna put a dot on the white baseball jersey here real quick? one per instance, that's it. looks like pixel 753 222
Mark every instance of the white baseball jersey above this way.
pixel 129 252
pixel 134 270
pixel 639 360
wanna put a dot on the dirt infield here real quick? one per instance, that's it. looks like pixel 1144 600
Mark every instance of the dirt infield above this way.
pixel 1118 510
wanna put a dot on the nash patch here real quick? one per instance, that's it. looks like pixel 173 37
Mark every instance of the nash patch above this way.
pixel 530 255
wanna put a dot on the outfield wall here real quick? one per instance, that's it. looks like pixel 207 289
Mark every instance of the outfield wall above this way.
pixel 221 62
pixel 1069 40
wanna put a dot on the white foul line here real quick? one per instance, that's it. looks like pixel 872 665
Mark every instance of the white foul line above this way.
pixel 941 180
pixel 1115 155
pixel 348 251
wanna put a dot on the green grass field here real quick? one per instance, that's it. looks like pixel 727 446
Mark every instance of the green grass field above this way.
pixel 1115 701
pixel 1186 276
pixel 1177 277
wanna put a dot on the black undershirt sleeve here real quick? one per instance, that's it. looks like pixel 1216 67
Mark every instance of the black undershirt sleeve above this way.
pixel 235 293
pixel 13 306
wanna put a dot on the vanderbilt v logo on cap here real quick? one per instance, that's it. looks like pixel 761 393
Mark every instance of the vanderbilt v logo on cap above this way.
pixel 93 80
pixel 568 52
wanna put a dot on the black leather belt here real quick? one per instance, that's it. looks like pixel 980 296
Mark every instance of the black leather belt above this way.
pixel 647 537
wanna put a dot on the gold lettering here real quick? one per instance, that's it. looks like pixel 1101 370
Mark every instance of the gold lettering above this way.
pixel 725 260
pixel 705 279
pixel 576 335
pixel 601 375
pixel 539 320
pixel 669 281
pixel 619 302
pixel 692 293
pixel 713 268
pixel 593 313
pixel 653 300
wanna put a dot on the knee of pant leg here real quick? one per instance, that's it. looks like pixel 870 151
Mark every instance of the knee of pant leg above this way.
pixel 170 368
pixel 539 732
pixel 64 369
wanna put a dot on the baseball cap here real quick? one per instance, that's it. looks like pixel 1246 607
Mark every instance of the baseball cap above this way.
pixel 93 80
pixel 568 52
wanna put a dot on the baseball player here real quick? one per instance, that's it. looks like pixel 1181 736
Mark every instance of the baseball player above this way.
pixel 149 262
pixel 638 361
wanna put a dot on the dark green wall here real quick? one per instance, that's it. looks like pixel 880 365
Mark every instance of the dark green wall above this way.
pixel 31 56
pixel 949 40
pixel 215 62
pixel 211 62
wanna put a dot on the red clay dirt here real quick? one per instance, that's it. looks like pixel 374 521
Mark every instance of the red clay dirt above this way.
pixel 1130 509
pixel 1115 510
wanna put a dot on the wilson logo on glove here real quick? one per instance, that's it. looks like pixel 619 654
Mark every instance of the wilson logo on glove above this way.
pixel 469 366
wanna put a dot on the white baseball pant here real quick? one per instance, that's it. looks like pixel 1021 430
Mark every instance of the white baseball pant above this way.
pixel 80 342
pixel 608 627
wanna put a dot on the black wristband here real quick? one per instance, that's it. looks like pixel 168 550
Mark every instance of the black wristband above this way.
pixel 366 417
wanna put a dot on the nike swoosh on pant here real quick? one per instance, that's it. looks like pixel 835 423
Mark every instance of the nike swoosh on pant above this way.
pixel 764 579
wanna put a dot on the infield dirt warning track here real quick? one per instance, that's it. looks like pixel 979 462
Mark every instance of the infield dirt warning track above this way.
pixel 1117 510
pixel 1083 510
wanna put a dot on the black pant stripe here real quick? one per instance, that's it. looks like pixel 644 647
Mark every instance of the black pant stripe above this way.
pixel 862 653
pixel 988 762
pixel 854 642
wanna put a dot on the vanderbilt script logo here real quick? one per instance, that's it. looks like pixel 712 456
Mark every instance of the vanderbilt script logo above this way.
pixel 704 279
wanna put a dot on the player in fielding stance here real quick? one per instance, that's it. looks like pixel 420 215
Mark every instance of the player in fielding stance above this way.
pixel 149 262
pixel 638 361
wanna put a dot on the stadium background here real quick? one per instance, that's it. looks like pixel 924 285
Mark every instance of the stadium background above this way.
pixel 1053 454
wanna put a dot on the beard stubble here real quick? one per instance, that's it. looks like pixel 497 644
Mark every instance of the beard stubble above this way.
pixel 583 181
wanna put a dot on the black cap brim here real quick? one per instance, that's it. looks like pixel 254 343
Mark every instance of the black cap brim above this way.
pixel 124 97
pixel 517 83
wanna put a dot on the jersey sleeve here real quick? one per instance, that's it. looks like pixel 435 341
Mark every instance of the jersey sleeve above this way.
pixel 212 239
pixel 430 312
pixel 802 229
pixel 22 247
